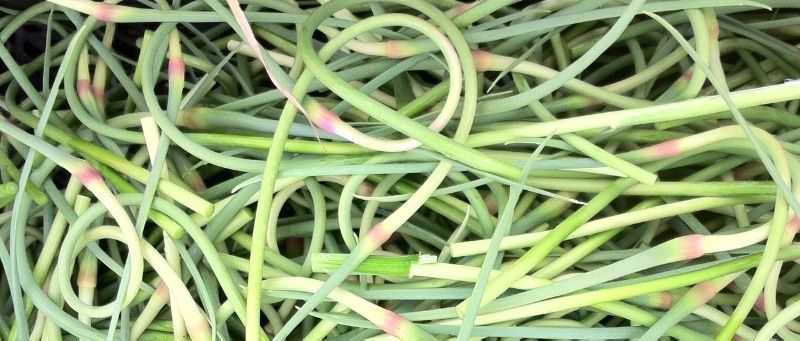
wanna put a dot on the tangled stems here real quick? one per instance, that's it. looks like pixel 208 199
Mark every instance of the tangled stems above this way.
pixel 563 230
pixel 611 294
pixel 380 233
pixel 683 147
pixel 632 117
pixel 386 320
pixel 332 124
pixel 116 162
pixel 697 296
pixel 395 199
pixel 91 179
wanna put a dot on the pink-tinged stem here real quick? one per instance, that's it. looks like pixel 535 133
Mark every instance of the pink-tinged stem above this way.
pixel 84 88
pixel 697 296
pixel 327 120
pixel 392 323
pixel 105 12
pixel 195 181
pixel 667 149
pixel 150 311
pixel 366 189
pixel 99 95
pixel 483 60
pixel 176 67
pixel 251 40
pixel 460 9
pixel 89 177
pixel 667 300
pixel 760 304
pixel 679 249
pixel 397 49
pixel 87 282
pixel 100 10
pixel 692 247
pixel 196 323
pixel 387 320
pixel 176 70
pixel 378 235
pixel 793 226
pixel 93 181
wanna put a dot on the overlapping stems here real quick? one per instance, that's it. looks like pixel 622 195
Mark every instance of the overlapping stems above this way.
pixel 400 145
pixel 380 232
